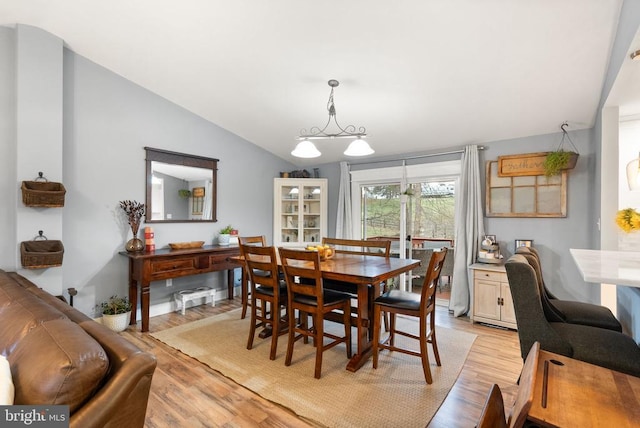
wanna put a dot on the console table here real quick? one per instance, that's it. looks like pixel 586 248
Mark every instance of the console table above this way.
pixel 145 267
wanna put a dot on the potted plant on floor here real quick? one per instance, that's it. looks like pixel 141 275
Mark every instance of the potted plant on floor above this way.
pixel 116 312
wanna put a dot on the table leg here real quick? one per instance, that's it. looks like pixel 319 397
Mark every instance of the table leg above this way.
pixel 144 305
pixel 230 279
pixel 133 294
pixel 364 327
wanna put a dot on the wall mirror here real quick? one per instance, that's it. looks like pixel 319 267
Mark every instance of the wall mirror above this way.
pixel 180 187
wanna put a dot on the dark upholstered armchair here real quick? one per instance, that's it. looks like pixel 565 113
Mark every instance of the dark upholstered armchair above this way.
pixel 567 310
pixel 602 347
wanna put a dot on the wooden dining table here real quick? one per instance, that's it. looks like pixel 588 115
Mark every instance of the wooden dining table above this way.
pixel 368 273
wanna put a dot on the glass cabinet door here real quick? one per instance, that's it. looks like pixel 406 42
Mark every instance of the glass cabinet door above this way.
pixel 299 211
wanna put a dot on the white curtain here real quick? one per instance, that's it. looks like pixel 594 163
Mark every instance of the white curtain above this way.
pixel 469 230
pixel 207 208
pixel 344 222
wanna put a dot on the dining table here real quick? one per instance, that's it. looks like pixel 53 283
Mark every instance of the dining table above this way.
pixel 368 273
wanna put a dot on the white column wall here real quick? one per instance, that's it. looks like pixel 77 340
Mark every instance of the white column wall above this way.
pixel 39 105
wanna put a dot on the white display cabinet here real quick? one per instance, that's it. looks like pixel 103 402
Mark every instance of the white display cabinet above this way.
pixel 300 211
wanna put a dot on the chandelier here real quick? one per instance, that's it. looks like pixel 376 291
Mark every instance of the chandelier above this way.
pixel 358 147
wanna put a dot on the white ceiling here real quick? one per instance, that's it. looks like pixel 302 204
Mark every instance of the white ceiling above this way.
pixel 420 75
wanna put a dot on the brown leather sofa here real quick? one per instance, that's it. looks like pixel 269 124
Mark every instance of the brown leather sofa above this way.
pixel 58 355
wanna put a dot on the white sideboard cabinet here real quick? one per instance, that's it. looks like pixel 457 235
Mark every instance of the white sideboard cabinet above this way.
pixel 492 303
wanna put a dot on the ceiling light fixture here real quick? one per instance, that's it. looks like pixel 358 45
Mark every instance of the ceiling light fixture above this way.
pixel 358 147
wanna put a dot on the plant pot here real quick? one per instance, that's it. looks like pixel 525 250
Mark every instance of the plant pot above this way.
pixel 223 239
pixel 117 322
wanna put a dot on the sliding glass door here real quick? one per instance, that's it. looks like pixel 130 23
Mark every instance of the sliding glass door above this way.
pixel 411 205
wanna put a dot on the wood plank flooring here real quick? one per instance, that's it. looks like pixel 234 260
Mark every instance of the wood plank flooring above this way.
pixel 186 393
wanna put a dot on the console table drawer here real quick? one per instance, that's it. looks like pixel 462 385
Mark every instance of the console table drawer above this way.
pixel 221 261
pixel 162 266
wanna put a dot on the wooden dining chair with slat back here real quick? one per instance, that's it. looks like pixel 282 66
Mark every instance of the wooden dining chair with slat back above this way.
pixel 421 306
pixel 259 241
pixel 380 248
pixel 268 293
pixel 307 295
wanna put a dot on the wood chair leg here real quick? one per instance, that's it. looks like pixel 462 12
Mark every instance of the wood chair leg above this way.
pixel 318 341
pixel 252 328
pixel 291 338
pixel 376 335
pixel 245 295
pixel 275 330
pixel 433 341
pixel 424 352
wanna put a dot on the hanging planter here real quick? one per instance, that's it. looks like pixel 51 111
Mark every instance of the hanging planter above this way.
pixel 561 159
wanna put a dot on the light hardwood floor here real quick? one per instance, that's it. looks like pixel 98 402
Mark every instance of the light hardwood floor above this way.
pixel 186 393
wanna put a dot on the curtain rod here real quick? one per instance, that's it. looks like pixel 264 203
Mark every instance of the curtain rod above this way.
pixel 430 155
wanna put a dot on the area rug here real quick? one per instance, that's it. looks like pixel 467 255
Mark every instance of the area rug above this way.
pixel 395 394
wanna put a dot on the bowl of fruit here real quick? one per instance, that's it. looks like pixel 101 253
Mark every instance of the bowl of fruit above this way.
pixel 326 251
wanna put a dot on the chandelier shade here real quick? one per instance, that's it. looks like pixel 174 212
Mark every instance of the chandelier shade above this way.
pixel 359 147
pixel 306 149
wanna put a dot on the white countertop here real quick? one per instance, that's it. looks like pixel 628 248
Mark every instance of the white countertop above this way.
pixel 609 267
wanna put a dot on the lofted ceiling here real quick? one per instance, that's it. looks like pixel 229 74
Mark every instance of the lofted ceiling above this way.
pixel 420 75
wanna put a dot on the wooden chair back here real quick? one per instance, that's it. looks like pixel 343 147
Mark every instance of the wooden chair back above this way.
pixel 432 276
pixel 493 412
pixel 261 265
pixel 253 240
pixel 358 246
pixel 524 399
pixel 302 273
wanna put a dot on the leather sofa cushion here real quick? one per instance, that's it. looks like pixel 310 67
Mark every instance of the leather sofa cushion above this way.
pixel 57 363
pixel 20 313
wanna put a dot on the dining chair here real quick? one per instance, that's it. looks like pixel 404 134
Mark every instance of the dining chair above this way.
pixel 268 293
pixel 447 268
pixel 599 346
pixel 245 293
pixel 421 306
pixel 419 273
pixel 569 311
pixel 306 294
pixel 381 248
pixel 493 414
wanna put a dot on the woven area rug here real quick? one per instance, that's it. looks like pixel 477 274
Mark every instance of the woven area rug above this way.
pixel 395 394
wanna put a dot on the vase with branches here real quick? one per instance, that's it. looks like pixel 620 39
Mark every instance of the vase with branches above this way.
pixel 134 211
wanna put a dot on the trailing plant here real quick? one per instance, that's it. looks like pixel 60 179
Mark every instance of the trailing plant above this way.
pixel 184 193
pixel 559 159
pixel 556 162
pixel 115 305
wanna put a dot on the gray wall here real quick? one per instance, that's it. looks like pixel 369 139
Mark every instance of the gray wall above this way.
pixel 552 236
pixel 107 121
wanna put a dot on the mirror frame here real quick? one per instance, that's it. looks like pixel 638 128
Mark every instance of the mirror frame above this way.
pixel 175 158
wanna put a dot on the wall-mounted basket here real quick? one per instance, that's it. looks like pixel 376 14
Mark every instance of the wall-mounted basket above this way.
pixel 41 253
pixel 43 193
